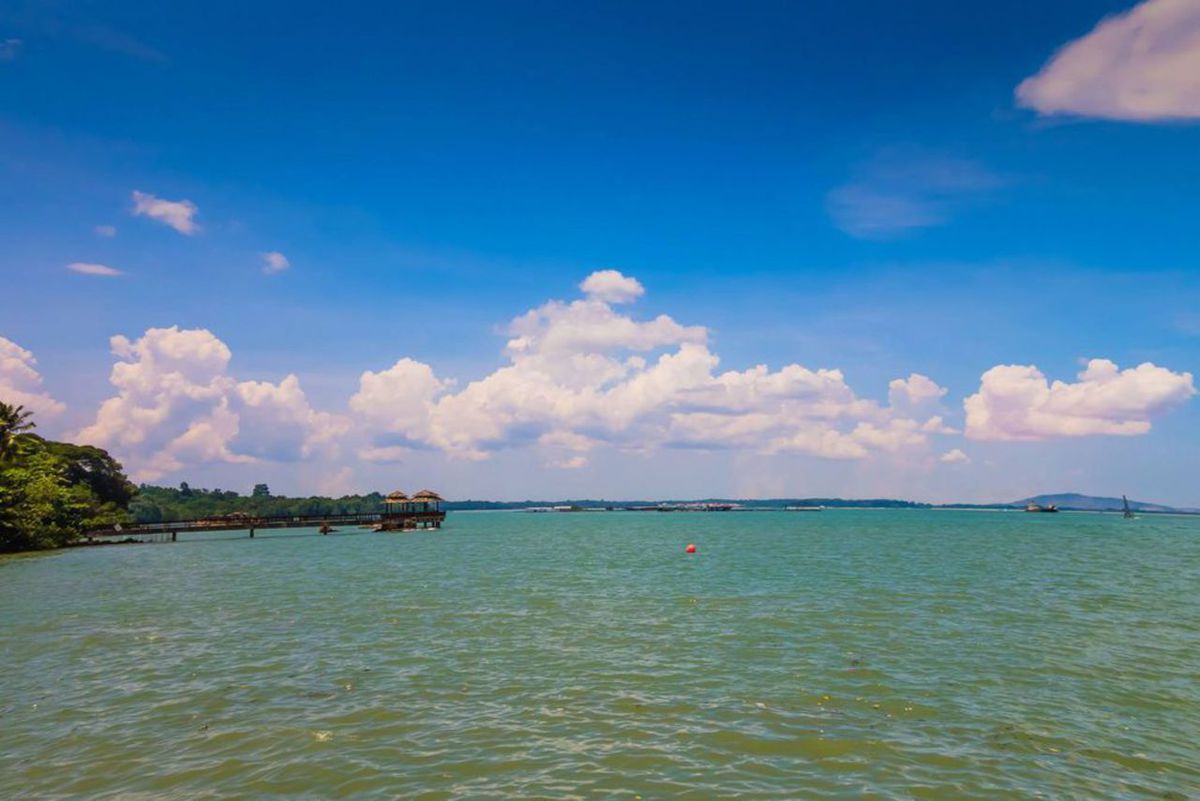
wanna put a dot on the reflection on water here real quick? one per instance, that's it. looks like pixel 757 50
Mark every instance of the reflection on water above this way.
pixel 841 655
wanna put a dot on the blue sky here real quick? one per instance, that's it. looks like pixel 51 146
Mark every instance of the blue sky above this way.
pixel 856 187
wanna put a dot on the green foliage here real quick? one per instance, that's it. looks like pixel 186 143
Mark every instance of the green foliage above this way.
pixel 53 492
pixel 96 469
pixel 261 491
pixel 14 423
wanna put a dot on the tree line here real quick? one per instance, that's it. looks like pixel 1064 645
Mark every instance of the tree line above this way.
pixel 164 504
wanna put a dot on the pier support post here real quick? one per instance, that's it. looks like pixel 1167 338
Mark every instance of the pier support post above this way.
pixel 173 537
pixel 251 533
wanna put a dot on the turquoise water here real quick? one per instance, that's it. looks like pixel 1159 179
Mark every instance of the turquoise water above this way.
pixel 845 654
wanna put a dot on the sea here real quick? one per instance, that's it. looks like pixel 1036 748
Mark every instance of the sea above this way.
pixel 842 654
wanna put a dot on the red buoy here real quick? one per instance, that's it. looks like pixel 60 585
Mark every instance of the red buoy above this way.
pixel 691 548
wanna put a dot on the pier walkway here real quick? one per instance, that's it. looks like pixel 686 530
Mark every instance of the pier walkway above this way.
pixel 169 532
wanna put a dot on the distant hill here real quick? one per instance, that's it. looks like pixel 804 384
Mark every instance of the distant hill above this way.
pixel 1092 503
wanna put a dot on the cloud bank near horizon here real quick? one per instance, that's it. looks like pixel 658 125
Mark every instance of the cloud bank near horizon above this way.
pixel 580 376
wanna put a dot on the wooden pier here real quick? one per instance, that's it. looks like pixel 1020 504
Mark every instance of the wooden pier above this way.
pixel 423 511
pixel 169 532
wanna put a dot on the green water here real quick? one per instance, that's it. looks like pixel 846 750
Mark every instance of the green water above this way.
pixel 845 654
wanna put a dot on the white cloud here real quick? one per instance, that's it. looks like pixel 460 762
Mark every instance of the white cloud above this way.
pixel 179 214
pixel 903 189
pixel 570 463
pixel 398 401
pixel 274 262
pixel 915 390
pixel 566 450
pixel 106 231
pixel 893 435
pixel 610 286
pixel 176 406
pixel 86 268
pixel 582 376
pixel 20 382
pixel 1142 65
pixel 954 456
pixel 1016 402
pixel 579 378
pixel 936 425
pixel 277 423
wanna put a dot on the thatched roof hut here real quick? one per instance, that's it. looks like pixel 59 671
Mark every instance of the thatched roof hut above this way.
pixel 427 496
pixel 396 496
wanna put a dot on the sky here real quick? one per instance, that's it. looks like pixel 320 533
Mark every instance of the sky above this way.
pixel 941 251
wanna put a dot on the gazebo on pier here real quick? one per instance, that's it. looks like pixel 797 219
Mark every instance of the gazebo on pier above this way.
pixel 428 500
pixel 404 513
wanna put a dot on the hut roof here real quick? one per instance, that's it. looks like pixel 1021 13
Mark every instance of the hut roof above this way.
pixel 427 495
pixel 396 496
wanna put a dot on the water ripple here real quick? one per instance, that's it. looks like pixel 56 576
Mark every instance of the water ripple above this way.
pixel 842 655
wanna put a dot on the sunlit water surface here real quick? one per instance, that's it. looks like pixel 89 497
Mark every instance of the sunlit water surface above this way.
pixel 842 654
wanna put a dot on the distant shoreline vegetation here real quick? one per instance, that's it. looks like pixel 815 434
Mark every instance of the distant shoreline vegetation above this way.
pixel 166 504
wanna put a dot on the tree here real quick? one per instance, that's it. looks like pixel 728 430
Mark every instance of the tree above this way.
pixel 39 508
pixel 261 491
pixel 51 493
pixel 14 422
pixel 95 468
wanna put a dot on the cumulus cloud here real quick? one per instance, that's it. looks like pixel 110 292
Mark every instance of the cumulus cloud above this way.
pixel 176 405
pixel 277 423
pixel 106 231
pixel 88 268
pixel 610 286
pixel 581 375
pixel 274 262
pixel 397 403
pixel 1016 402
pixel 1142 65
pixel 20 382
pixel 915 390
pixel 179 214
pixel 954 456
pixel 903 189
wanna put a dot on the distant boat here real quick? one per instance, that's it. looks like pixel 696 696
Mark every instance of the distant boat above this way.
pixel 803 508
pixel 1037 507
pixel 1128 511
